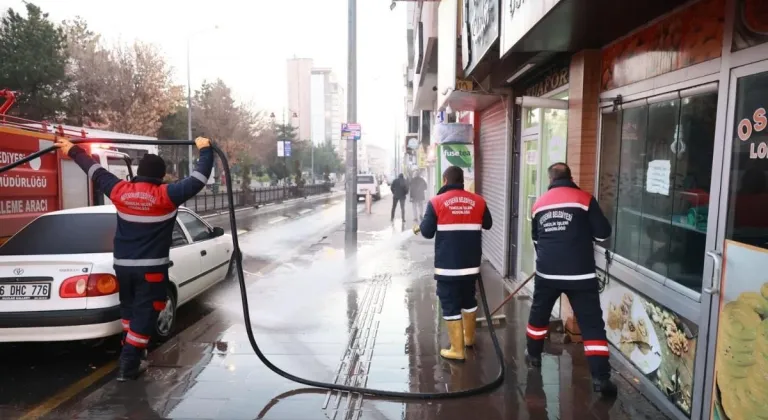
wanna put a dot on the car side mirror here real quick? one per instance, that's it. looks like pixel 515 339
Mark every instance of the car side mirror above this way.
pixel 217 231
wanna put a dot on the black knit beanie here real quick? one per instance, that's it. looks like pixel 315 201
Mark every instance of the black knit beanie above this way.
pixel 152 166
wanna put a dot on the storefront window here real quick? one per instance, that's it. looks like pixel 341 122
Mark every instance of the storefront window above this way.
pixel 655 175
pixel 627 229
pixel 531 117
pixel 748 194
pixel 608 188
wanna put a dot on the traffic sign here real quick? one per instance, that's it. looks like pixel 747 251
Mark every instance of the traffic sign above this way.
pixel 351 130
pixel 283 148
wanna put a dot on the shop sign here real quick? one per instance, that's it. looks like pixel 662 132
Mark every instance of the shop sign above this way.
pixel 551 80
pixel 658 342
pixel 652 51
pixel 741 355
pixel 751 24
pixel 747 127
pixel 481 23
pixel 421 158
pixel 465 85
pixel 520 16
pixel 411 143
pixel 431 154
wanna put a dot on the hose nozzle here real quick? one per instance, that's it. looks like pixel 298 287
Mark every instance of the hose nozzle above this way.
pixel 416 229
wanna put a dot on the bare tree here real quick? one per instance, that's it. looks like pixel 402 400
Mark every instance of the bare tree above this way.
pixel 142 92
pixel 87 69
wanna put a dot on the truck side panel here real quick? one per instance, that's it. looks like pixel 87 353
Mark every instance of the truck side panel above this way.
pixel 30 189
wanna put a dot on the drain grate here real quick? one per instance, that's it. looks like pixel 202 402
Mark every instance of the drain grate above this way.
pixel 356 360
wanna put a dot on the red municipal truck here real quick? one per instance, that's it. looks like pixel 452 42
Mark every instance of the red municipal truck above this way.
pixel 53 182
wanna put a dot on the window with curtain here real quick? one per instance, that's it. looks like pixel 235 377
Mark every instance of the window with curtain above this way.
pixel 654 180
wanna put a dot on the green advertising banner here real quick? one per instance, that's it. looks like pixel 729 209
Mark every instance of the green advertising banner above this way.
pixel 461 155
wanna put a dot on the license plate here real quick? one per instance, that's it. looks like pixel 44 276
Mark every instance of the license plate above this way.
pixel 25 291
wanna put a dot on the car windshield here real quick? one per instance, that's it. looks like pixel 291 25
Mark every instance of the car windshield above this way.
pixel 64 234
pixel 365 179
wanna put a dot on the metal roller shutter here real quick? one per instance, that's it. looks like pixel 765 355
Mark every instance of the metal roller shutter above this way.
pixel 492 173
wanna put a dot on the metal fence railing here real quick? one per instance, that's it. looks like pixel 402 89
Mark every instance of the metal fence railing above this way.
pixel 208 202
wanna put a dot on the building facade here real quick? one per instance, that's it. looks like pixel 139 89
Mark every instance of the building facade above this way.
pixel 299 72
pixel 378 159
pixel 661 114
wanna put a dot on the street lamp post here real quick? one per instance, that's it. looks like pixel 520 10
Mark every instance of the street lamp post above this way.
pixel 273 118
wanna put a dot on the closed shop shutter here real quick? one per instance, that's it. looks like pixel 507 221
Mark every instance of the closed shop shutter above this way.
pixel 492 173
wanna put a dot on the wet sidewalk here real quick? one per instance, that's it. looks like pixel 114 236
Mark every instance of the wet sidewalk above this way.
pixel 371 321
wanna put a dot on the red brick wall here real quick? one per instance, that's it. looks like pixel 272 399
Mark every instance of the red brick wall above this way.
pixel 583 112
pixel 583 119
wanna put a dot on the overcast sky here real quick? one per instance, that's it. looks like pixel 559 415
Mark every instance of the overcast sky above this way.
pixel 254 39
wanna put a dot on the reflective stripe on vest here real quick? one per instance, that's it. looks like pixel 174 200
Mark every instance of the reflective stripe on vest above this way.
pixel 457 272
pixel 95 167
pixel 146 219
pixel 460 226
pixel 200 177
pixel 566 277
pixel 147 262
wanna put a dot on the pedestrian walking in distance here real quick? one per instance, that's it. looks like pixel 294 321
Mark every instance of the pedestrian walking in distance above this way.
pixel 399 190
pixel 418 194
pixel 455 218
pixel 146 215
pixel 566 223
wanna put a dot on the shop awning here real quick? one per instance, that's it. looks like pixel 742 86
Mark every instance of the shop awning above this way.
pixel 574 25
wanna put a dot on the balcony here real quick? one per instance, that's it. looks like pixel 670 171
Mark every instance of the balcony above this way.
pixel 424 80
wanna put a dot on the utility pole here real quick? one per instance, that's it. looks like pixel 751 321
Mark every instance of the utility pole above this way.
pixel 350 227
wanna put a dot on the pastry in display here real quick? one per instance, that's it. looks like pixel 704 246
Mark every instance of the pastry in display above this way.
pixel 756 301
pixel 615 321
pixel 742 356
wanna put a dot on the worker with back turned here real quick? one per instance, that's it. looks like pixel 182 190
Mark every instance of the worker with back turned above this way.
pixel 566 223
pixel 455 218
pixel 146 215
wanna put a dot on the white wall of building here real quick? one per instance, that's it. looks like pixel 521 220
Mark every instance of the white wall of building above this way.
pixel 299 73
pixel 378 159
pixel 318 110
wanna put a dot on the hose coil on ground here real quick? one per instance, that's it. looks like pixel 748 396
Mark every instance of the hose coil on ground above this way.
pixel 498 381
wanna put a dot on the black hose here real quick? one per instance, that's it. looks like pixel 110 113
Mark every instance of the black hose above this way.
pixel 246 312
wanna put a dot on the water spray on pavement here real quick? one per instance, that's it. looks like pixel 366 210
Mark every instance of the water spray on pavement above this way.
pixel 237 255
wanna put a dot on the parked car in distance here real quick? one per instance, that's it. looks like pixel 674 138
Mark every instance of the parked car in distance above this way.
pixel 368 183
pixel 57 282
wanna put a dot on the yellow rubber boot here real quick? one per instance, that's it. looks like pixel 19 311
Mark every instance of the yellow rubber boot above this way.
pixel 456 336
pixel 469 319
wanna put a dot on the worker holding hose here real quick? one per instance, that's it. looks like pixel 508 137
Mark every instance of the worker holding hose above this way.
pixel 146 216
pixel 455 218
pixel 566 223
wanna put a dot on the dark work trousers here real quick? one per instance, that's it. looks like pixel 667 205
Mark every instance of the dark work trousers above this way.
pixel 456 296
pixel 586 306
pixel 400 200
pixel 143 294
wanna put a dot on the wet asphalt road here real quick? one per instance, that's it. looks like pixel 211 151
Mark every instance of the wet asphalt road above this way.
pixel 33 372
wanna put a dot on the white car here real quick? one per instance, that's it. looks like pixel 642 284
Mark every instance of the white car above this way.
pixel 57 282
pixel 367 183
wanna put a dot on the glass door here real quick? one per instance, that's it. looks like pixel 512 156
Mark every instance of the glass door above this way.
pixel 529 190
pixel 736 303
pixel 544 141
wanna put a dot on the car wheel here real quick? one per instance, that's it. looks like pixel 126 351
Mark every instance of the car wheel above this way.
pixel 167 317
pixel 377 197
